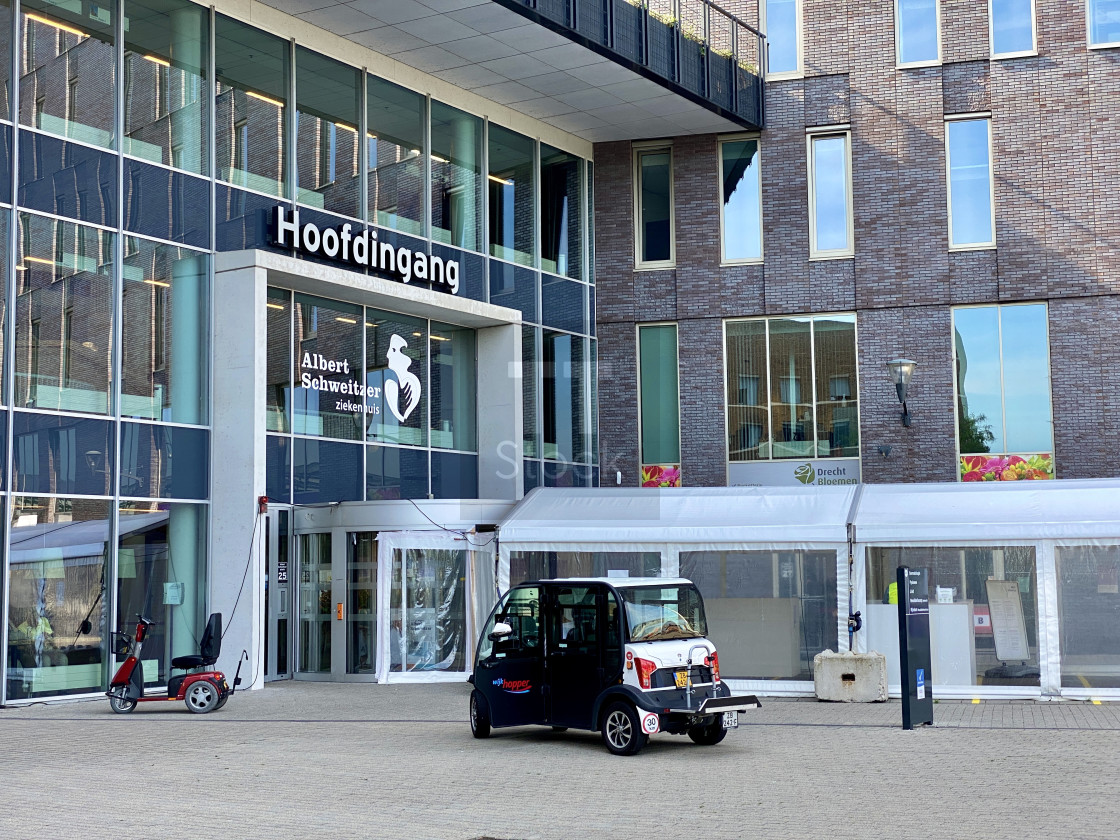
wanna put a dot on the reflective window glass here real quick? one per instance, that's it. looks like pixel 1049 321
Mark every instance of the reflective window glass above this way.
pixel 564 397
pixel 782 31
pixel 655 206
pixel 659 406
pixel 58 622
pixel 396 473
pixel 530 377
pixel 1004 422
pixel 328 399
pixel 64 315
pixel 454 475
pixel 395 122
pixel 161 573
pixel 1012 26
pixel 167 50
pixel 837 406
pixel 278 397
pixel 68 82
pixel 561 213
pixel 165 320
pixel 970 183
pixel 562 304
pixel 396 378
pixel 1104 21
pixel 916 30
pixel 1088 583
pixel 5 59
pixel 67 179
pixel 325 471
pixel 591 216
pixel 5 216
pixel 791 387
pixel 512 194
pixel 328 104
pixel 165 204
pixel 164 462
pixel 453 393
pixel 278 472
pixel 514 287
pixel 742 204
pixel 748 595
pixel 63 454
pixel 456 177
pixel 251 110
pixel 830 217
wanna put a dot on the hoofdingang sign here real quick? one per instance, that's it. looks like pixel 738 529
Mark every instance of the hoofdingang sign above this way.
pixel 362 249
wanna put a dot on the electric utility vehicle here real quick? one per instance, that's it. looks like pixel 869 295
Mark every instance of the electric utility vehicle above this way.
pixel 628 657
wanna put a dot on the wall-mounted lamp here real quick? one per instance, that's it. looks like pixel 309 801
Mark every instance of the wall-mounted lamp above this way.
pixel 901 370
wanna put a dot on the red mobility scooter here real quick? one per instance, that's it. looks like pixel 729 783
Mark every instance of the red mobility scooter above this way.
pixel 202 691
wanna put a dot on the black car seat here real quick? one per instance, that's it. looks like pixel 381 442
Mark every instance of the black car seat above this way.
pixel 208 650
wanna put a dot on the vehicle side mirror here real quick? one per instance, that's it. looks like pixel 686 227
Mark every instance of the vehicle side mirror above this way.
pixel 501 630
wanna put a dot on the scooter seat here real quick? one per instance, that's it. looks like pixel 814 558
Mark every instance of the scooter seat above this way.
pixel 191 661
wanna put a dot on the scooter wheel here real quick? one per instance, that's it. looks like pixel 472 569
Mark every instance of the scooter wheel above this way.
pixel 222 701
pixel 202 697
pixel 119 703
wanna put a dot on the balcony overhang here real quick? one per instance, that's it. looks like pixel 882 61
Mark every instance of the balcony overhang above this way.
pixel 601 70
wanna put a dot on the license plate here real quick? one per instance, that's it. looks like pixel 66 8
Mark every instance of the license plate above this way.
pixel 730 720
pixel 682 679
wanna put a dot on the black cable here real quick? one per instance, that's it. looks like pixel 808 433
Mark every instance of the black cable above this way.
pixel 463 534
pixel 245 574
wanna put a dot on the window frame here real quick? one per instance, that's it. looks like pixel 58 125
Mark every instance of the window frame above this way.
pixel 984 116
pixel 1095 45
pixel 925 62
pixel 799 29
pixel 639 150
pixel 723 259
pixel 821 133
pixel 1017 53
pixel 642 464
pixel 999 307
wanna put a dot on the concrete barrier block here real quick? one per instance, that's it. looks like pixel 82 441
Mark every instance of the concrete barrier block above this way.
pixel 850 677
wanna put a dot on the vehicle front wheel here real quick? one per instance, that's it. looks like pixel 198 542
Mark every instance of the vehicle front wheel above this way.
pixel 480 716
pixel 119 703
pixel 708 736
pixel 202 697
pixel 622 730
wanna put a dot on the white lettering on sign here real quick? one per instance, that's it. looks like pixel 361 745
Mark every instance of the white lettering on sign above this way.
pixel 363 249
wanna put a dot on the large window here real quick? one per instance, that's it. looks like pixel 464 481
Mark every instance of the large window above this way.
pixel 1104 22
pixel 782 25
pixel 916 29
pixel 740 183
pixel 971 202
pixel 564 397
pixel 512 193
pixel 165 98
pixel 1002 365
pixel 68 82
pixel 1088 600
pixel 561 228
pixel 327 125
pixel 396 120
pixel 456 177
pixel 251 109
pixel 1012 27
pixel 654 207
pixel 830 196
pixel 791 388
pixel 659 406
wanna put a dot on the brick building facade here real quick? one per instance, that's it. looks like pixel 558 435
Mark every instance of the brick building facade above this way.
pixel 1055 166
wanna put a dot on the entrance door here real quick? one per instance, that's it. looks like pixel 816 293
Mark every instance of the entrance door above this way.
pixel 574 668
pixel 278 595
pixel 318 591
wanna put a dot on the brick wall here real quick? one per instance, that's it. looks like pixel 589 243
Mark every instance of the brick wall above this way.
pixel 1056 165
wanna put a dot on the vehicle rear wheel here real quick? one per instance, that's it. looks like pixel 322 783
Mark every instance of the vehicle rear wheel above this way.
pixel 222 701
pixel 202 697
pixel 480 716
pixel 559 729
pixel 708 736
pixel 119 703
pixel 622 730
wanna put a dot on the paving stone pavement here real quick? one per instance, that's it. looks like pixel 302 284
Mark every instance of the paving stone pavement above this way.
pixel 311 760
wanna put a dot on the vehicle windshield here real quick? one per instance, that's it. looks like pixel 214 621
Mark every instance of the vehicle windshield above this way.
pixel 657 613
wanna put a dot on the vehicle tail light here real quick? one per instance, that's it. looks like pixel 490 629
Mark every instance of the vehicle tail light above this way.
pixel 713 663
pixel 645 671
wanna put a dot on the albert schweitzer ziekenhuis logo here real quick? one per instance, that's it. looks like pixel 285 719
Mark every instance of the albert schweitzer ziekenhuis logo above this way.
pixel 805 474
pixel 403 393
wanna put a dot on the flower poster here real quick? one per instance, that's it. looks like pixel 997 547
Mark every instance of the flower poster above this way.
pixel 1006 467
pixel 661 475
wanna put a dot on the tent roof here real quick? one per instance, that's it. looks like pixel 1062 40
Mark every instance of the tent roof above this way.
pixel 989 511
pixel 693 515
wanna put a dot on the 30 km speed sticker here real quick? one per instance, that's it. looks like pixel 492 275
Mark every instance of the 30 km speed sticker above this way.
pixel 651 723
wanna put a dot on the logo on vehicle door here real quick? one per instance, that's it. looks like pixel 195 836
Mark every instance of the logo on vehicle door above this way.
pixel 514 686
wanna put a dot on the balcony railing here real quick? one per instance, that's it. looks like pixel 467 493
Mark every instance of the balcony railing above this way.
pixel 693 47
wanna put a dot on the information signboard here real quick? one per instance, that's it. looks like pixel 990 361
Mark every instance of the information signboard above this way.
pixel 913 646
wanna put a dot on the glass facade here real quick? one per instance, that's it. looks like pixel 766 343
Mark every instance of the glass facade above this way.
pixel 151 134
pixel 659 412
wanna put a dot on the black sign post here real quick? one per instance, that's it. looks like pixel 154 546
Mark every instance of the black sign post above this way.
pixel 913 646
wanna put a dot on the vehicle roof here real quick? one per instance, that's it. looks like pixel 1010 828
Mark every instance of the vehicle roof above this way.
pixel 617 582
